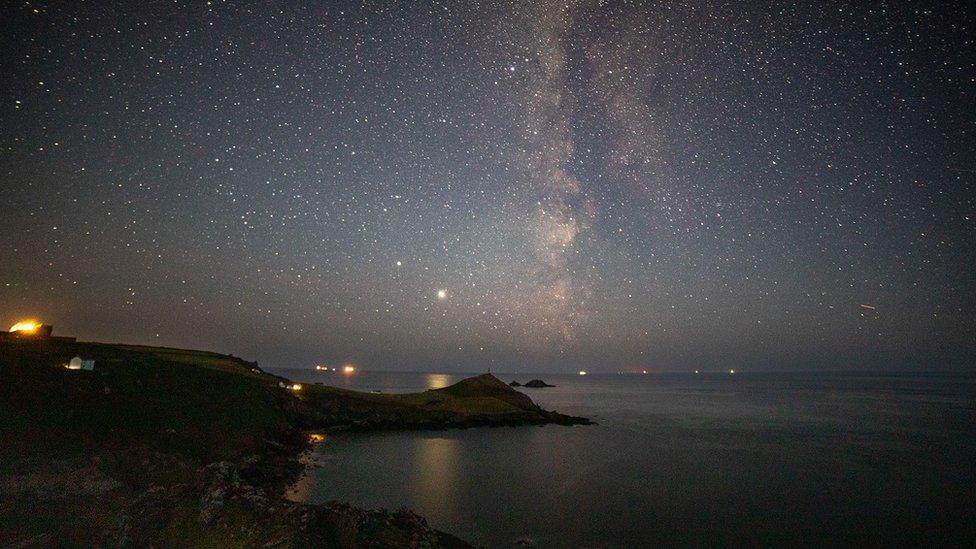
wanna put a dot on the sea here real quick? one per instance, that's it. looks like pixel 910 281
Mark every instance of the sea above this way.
pixel 759 459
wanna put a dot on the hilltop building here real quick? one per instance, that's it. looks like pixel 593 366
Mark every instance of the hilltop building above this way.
pixel 78 363
pixel 31 330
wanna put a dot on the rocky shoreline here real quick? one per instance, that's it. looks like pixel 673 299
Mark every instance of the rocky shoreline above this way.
pixel 254 487
pixel 163 447
pixel 242 501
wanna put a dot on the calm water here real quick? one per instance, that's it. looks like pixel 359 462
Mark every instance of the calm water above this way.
pixel 680 459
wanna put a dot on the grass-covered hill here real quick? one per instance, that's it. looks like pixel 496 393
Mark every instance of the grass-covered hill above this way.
pixel 472 402
pixel 159 445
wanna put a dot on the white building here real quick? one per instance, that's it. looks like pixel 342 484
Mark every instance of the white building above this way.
pixel 78 363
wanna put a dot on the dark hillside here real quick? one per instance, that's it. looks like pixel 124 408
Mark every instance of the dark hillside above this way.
pixel 176 447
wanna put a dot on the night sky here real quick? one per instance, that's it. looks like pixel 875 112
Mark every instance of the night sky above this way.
pixel 526 186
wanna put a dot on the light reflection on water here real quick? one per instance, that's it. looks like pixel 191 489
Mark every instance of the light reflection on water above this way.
pixel 438 381
pixel 365 380
pixel 683 460
pixel 436 471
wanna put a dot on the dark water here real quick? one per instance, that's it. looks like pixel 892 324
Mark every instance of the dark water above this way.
pixel 681 459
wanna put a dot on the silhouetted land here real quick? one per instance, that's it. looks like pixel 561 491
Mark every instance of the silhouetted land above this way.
pixel 169 446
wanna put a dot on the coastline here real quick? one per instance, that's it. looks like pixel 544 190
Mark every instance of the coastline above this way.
pixel 198 448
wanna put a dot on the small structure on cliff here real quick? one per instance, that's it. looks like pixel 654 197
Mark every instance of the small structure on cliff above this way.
pixel 78 363
pixel 31 330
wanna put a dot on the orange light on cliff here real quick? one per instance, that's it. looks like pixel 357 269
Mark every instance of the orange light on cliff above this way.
pixel 26 326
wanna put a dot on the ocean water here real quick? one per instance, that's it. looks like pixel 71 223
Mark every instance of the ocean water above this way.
pixel 719 459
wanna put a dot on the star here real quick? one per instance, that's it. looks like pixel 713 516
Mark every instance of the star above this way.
pixel 646 183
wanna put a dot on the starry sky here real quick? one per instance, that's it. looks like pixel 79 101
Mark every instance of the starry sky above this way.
pixel 523 186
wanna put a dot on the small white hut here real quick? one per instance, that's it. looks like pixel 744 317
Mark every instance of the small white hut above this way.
pixel 78 363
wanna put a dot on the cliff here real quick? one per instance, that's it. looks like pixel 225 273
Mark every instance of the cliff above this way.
pixel 175 447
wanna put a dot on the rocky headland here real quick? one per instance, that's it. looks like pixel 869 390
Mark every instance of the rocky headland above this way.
pixel 160 446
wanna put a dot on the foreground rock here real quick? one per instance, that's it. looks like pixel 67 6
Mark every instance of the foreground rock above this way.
pixel 232 510
pixel 222 504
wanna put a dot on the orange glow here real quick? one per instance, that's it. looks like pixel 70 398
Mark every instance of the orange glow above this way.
pixel 26 326
pixel 348 369
pixel 316 437
pixel 296 387
pixel 582 372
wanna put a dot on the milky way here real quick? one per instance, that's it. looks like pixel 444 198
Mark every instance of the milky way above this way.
pixel 614 186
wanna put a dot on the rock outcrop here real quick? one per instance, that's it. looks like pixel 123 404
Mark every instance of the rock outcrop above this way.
pixel 537 384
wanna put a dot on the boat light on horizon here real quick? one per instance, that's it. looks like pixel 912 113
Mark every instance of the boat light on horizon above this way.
pixel 582 372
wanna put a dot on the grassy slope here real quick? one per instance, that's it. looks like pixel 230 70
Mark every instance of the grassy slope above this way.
pixel 145 417
pixel 481 400
pixel 149 417
pixel 205 406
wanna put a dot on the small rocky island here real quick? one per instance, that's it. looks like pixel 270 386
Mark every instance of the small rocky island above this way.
pixel 535 384
pixel 170 447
